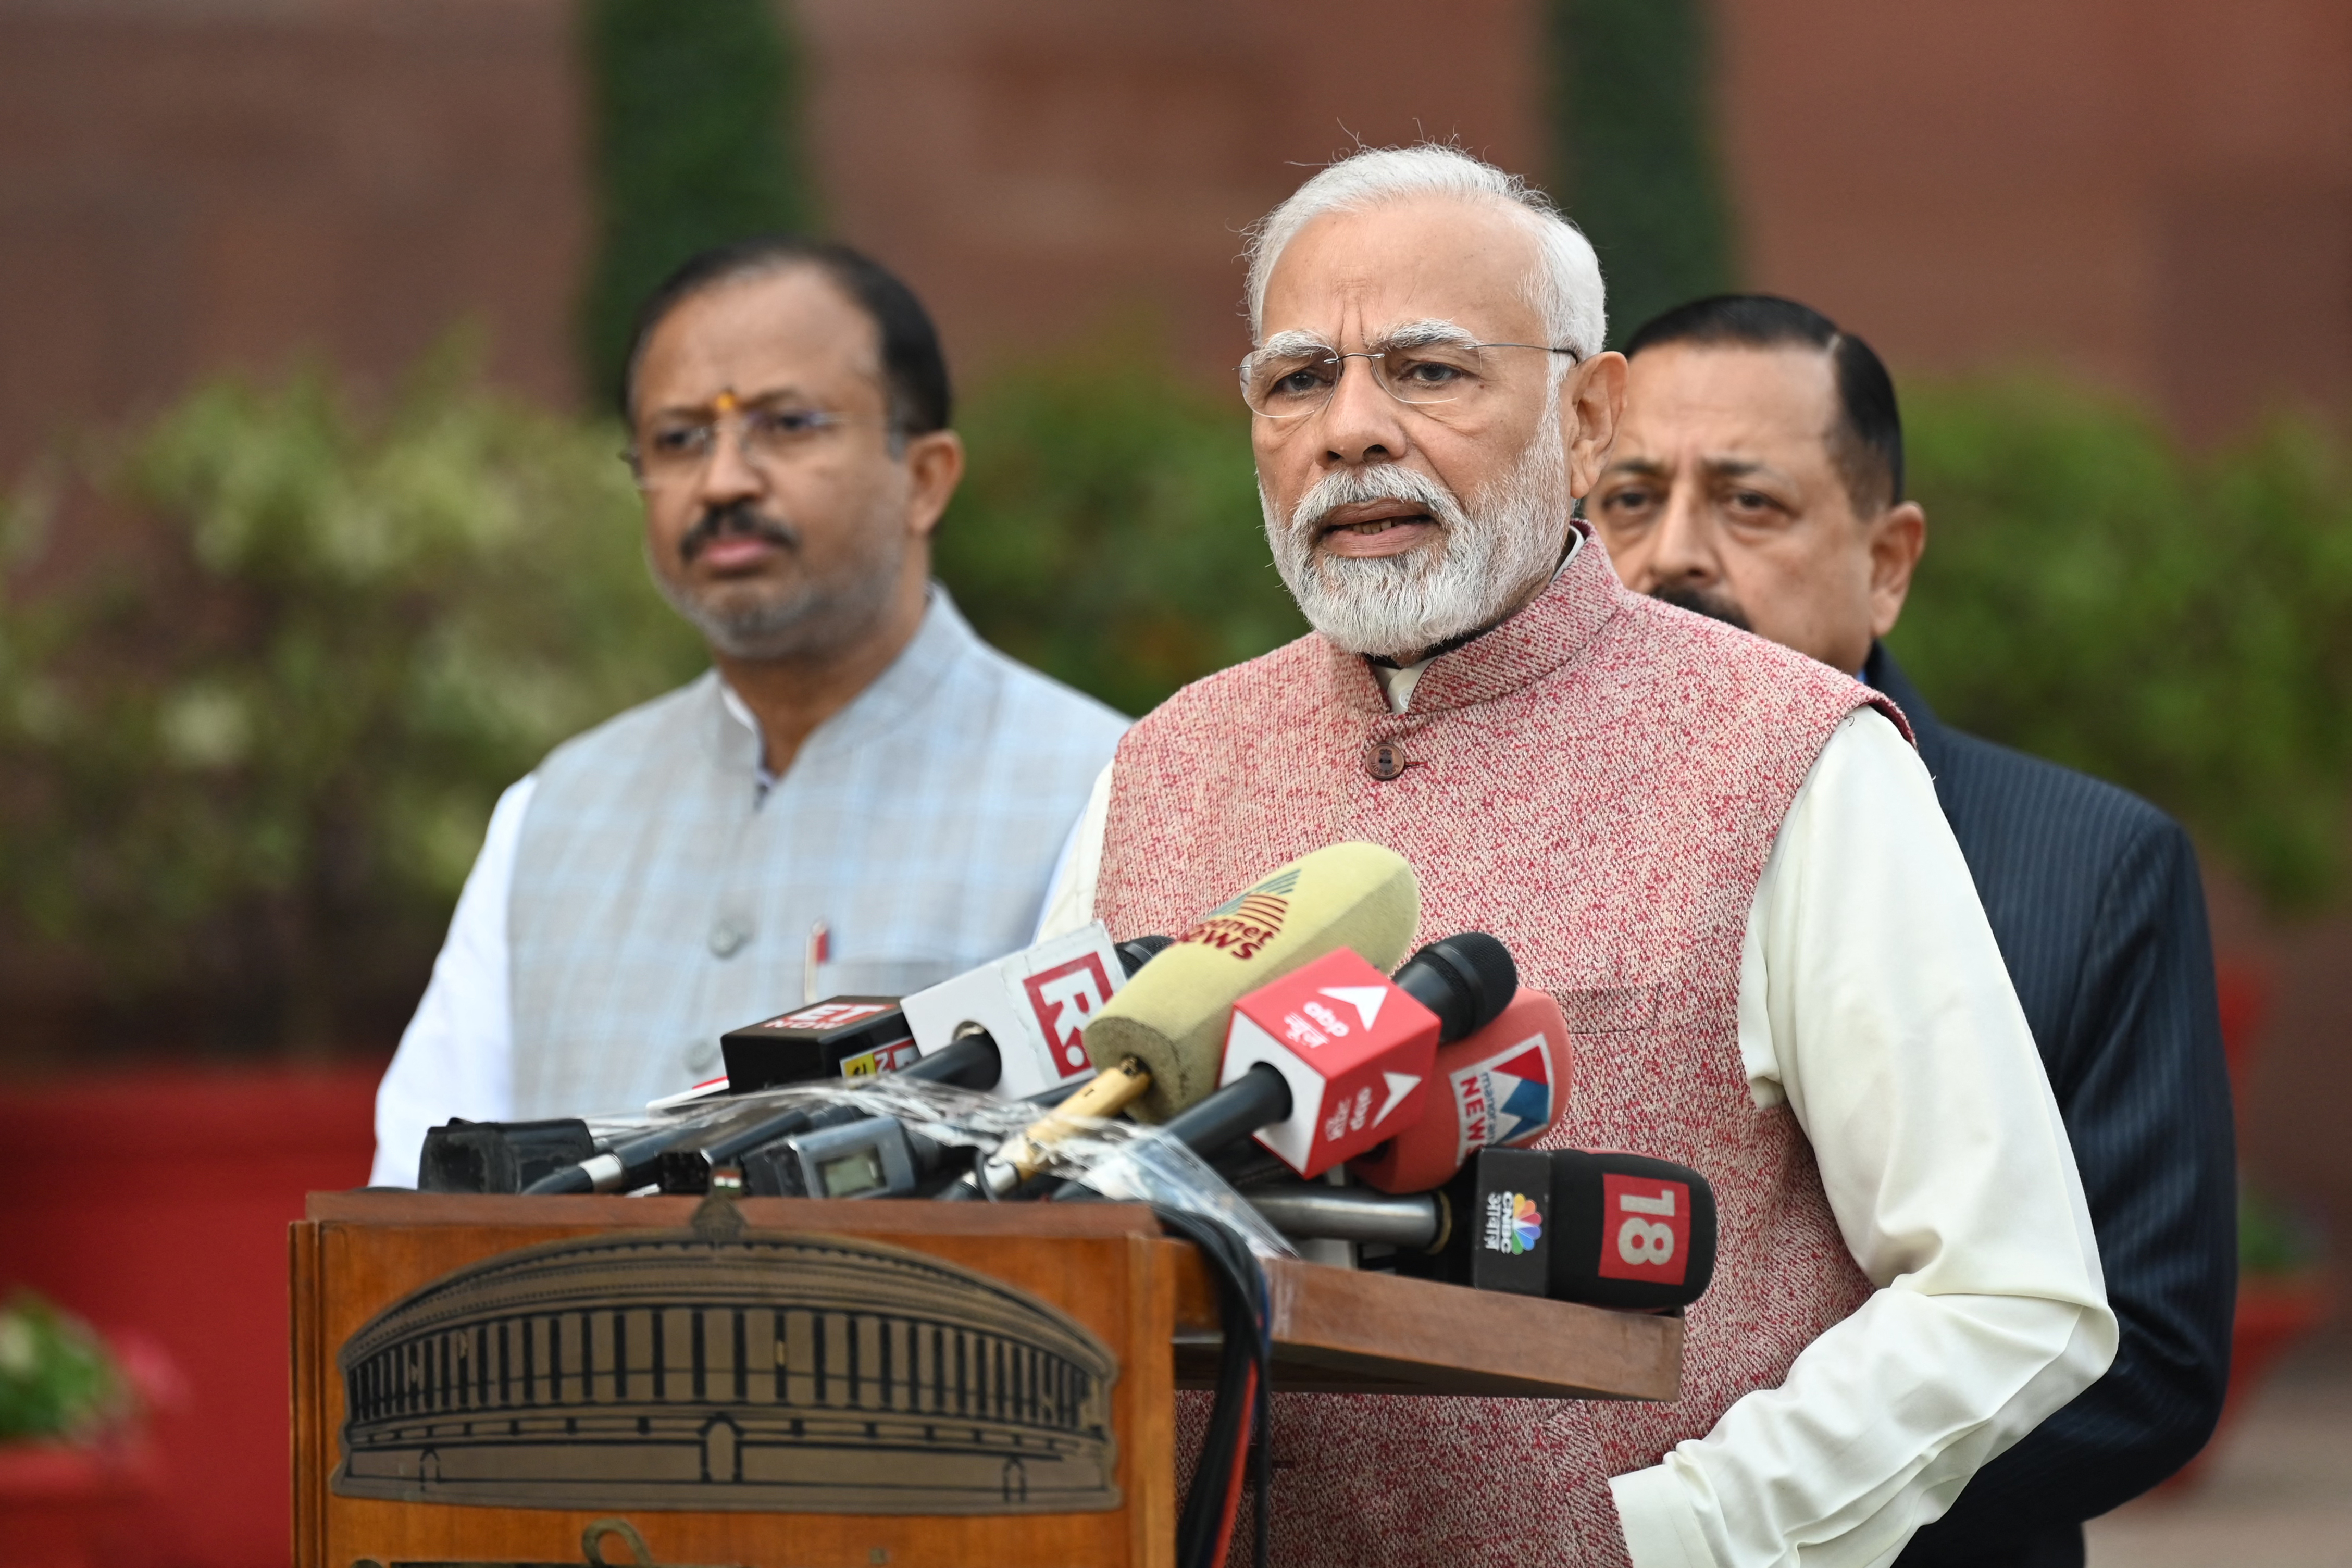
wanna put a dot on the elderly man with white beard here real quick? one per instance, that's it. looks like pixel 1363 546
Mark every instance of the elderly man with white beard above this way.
pixel 1722 858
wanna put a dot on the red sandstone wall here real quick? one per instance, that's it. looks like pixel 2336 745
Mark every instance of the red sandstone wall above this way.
pixel 2154 193
pixel 188 184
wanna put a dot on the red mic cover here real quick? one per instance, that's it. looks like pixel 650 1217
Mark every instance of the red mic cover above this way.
pixel 1355 1050
pixel 1506 1085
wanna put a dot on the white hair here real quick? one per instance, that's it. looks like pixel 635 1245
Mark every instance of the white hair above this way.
pixel 1565 288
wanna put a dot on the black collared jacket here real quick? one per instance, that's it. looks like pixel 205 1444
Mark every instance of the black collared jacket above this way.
pixel 2095 898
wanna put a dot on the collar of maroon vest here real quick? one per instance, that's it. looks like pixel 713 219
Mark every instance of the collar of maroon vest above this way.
pixel 1555 627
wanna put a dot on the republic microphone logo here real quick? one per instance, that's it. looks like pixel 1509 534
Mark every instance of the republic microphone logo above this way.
pixel 1247 922
pixel 1514 1223
pixel 1064 999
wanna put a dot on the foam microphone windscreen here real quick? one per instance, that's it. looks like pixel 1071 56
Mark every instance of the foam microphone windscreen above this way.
pixel 1172 1015
pixel 1506 1085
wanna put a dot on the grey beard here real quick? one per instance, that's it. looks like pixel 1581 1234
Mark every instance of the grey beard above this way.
pixel 1489 554
pixel 784 623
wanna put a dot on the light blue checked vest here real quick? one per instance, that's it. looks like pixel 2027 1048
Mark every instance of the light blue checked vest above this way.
pixel 658 900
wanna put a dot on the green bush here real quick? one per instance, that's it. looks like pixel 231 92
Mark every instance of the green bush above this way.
pixel 249 764
pixel 245 766
pixel 2180 625
pixel 57 1378
pixel 698 140
pixel 1631 89
pixel 1109 532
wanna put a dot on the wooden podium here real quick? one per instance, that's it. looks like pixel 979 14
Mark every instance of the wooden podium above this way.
pixel 786 1384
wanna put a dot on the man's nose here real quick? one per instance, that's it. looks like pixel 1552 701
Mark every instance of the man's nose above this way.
pixel 1682 548
pixel 729 475
pixel 1362 423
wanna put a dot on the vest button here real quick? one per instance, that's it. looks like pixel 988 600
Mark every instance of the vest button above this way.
pixel 1384 760
pixel 702 1056
pixel 728 937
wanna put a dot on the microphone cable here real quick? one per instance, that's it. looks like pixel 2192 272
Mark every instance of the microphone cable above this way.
pixel 1235 1452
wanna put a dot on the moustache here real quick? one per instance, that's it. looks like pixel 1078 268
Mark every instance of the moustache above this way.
pixel 1359 487
pixel 1715 607
pixel 737 517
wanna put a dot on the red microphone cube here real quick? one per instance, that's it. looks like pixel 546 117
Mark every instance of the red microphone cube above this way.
pixel 1357 1051
pixel 1506 1084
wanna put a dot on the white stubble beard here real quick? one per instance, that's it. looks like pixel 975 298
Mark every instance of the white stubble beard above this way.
pixel 1489 552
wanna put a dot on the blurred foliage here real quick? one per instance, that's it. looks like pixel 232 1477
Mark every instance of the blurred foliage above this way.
pixel 1632 94
pixel 246 765
pixel 58 1379
pixel 2273 1239
pixel 2179 625
pixel 253 760
pixel 698 140
pixel 1109 531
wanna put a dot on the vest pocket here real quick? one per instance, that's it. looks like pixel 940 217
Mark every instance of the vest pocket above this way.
pixel 1609 1009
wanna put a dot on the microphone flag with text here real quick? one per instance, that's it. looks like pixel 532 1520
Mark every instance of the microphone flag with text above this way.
pixel 1160 1042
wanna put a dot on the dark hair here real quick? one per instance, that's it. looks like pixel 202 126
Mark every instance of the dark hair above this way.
pixel 914 371
pixel 1867 442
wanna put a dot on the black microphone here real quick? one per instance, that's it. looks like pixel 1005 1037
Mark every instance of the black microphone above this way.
pixel 841 1036
pixel 878 1157
pixel 462 1156
pixel 622 1168
pixel 1608 1229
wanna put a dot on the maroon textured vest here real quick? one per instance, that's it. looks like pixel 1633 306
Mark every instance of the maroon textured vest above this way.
pixel 1598 782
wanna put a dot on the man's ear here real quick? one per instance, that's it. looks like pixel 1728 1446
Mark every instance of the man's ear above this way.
pixel 1588 408
pixel 934 467
pixel 1897 539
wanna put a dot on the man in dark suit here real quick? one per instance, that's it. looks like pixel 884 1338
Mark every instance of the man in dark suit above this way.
pixel 1758 478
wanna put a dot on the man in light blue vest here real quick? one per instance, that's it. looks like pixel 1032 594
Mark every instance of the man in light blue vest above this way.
pixel 861 796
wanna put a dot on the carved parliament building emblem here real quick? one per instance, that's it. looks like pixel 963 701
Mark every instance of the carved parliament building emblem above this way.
pixel 717 1369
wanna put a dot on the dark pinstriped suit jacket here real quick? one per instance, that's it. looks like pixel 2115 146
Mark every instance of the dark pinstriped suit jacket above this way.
pixel 2094 898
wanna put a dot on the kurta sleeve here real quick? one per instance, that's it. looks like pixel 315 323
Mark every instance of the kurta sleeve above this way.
pixel 1070 899
pixel 1874 1000
pixel 457 1056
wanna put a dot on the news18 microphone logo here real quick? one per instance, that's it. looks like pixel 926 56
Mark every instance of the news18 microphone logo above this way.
pixel 1247 921
pixel 1063 997
pixel 1644 1230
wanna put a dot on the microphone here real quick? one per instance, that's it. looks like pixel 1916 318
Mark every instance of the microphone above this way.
pixel 1608 1229
pixel 1505 1084
pixel 1157 1043
pixel 622 1168
pixel 1172 1019
pixel 878 1157
pixel 1418 1222
pixel 461 1156
pixel 841 1036
pixel 1317 1090
pixel 1027 1011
